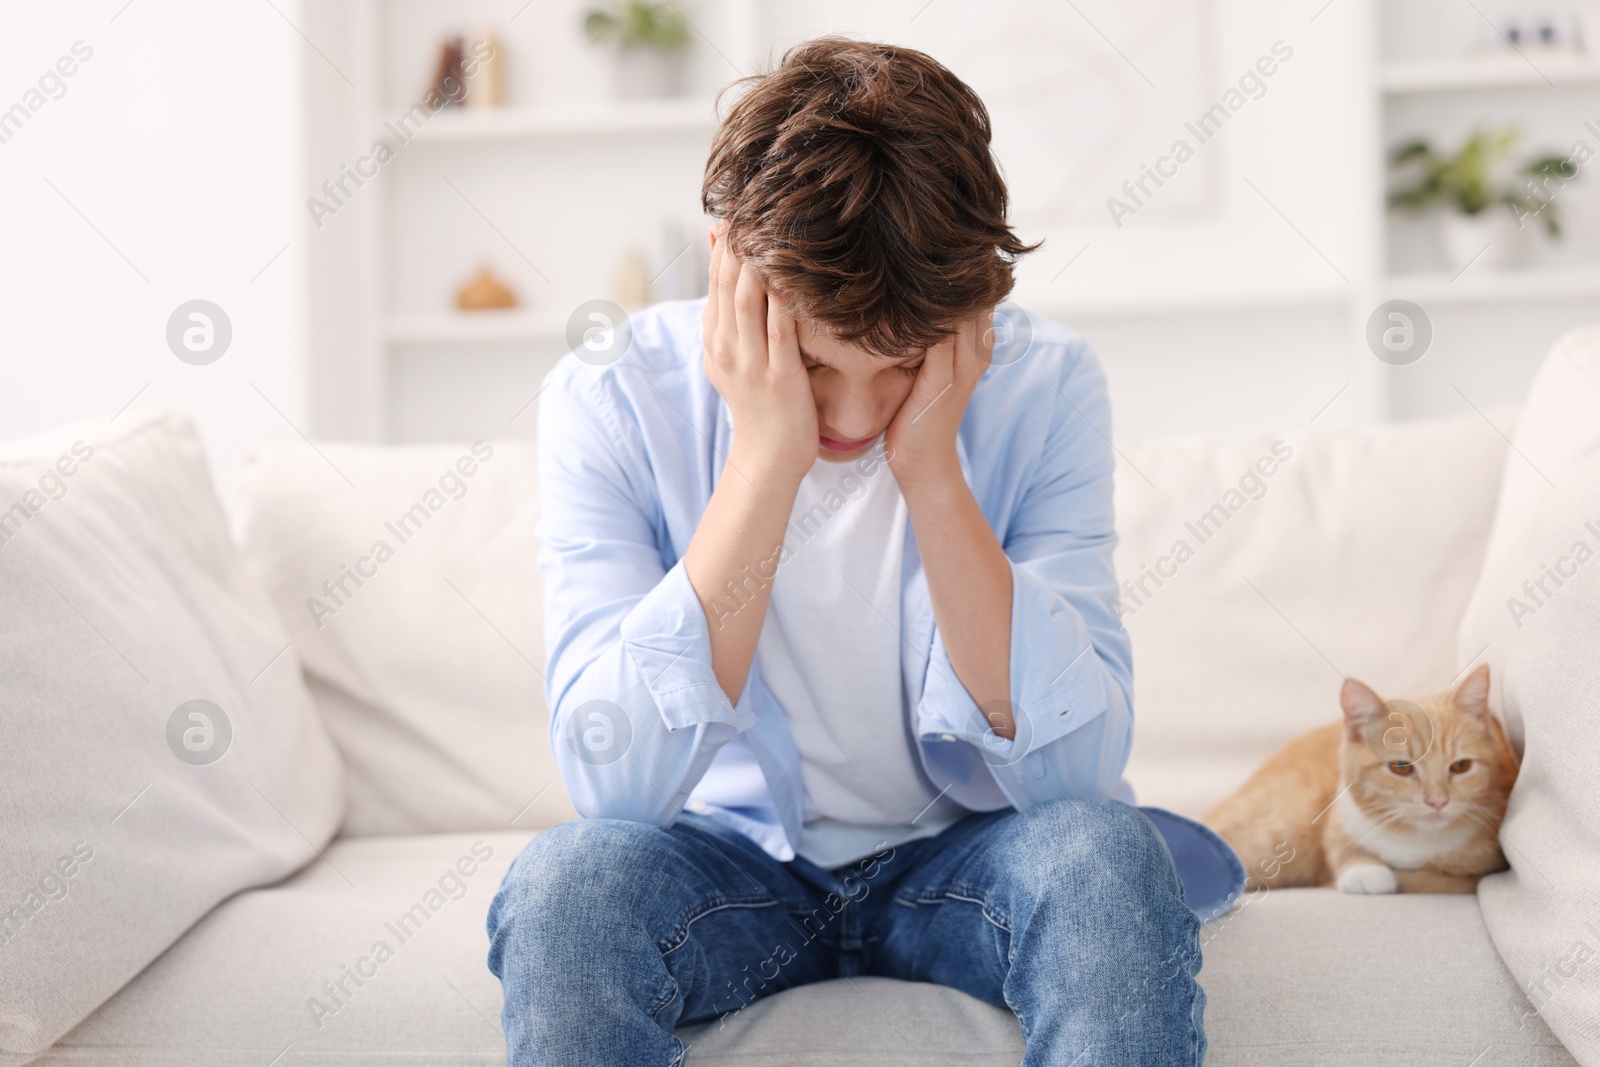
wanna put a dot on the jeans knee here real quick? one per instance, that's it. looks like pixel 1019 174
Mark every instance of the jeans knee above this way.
pixel 1095 838
pixel 577 878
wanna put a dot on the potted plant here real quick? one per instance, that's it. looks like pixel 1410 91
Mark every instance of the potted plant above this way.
pixel 1481 211
pixel 651 42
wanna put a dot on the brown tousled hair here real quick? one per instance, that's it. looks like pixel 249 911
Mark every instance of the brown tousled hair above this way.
pixel 857 180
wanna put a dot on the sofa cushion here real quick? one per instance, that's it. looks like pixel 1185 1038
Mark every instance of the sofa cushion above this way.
pixel 1535 617
pixel 1544 913
pixel 407 580
pixel 160 750
pixel 1259 571
pixel 1559 429
pixel 1293 977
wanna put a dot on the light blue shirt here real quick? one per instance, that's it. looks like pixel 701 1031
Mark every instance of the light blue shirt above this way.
pixel 629 454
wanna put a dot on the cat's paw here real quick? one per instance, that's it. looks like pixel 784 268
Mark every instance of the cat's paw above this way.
pixel 1367 878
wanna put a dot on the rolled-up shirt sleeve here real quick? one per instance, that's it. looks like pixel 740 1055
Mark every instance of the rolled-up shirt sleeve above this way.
pixel 636 712
pixel 1071 660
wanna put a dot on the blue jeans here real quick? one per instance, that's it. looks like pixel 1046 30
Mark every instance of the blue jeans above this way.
pixel 607 935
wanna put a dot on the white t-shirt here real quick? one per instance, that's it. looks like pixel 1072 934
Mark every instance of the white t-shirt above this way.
pixel 830 654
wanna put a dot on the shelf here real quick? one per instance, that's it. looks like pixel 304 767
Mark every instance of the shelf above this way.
pixel 513 324
pixel 1500 72
pixel 1169 300
pixel 539 123
pixel 1497 287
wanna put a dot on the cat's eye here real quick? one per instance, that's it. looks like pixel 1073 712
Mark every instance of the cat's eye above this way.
pixel 1402 768
pixel 1461 766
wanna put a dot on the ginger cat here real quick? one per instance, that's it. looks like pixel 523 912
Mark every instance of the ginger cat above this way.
pixel 1402 796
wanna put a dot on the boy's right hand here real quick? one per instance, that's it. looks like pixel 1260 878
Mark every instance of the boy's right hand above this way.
pixel 752 358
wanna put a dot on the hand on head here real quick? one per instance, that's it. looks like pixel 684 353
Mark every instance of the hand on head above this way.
pixel 921 440
pixel 752 358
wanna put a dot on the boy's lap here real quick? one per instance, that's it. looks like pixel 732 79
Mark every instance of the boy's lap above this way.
pixel 736 925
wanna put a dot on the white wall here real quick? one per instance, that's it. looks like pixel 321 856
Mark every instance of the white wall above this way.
pixel 167 171
pixel 1210 312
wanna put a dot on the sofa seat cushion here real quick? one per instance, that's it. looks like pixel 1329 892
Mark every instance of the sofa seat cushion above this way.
pixel 1293 977
pixel 1314 976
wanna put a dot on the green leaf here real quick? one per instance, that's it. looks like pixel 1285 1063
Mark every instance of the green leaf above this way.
pixel 1467 181
pixel 639 23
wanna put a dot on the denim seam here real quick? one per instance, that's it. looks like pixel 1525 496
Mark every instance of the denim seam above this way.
pixel 965 894
pixel 991 915
pixel 1196 1012
pixel 1022 1021
pixel 661 1002
pixel 708 907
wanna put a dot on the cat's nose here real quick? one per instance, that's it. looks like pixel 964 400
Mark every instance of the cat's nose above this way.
pixel 1437 803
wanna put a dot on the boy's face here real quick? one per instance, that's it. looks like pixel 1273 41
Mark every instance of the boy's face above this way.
pixel 857 393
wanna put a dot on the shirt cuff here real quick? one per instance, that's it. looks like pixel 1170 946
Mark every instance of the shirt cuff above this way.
pixel 1057 679
pixel 669 641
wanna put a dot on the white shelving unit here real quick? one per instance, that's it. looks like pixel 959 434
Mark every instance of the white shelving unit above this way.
pixel 1438 78
pixel 595 120
pixel 1504 287
pixel 543 189
pixel 468 327
pixel 555 187
pixel 1501 72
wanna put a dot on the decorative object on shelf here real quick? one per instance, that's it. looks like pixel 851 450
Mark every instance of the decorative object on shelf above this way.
pixel 485 292
pixel 1482 211
pixel 485 79
pixel 1550 32
pixel 651 41
pixel 634 281
pixel 449 80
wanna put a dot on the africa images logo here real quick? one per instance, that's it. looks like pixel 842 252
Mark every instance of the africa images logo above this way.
pixel 199 732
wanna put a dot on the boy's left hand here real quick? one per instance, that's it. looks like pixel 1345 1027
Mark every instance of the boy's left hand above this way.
pixel 921 439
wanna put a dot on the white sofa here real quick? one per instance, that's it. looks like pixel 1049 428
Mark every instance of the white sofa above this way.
pixel 1357 555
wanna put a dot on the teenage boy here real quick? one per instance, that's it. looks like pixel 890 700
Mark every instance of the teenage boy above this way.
pixel 835 670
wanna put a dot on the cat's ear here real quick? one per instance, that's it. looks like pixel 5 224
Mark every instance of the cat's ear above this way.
pixel 1360 704
pixel 1472 695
